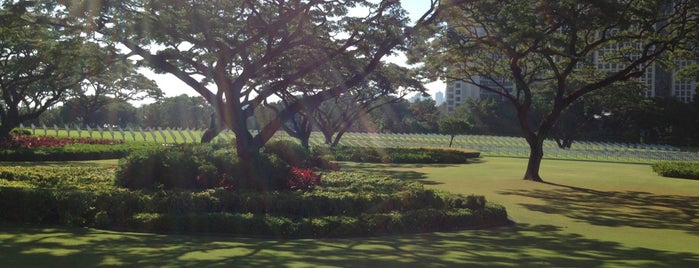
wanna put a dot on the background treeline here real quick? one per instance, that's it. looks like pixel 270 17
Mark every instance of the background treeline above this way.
pixel 638 120
pixel 175 112
pixel 649 121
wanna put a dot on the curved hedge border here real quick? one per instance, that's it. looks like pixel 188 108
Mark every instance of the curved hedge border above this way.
pixel 399 155
pixel 74 152
pixel 347 205
pixel 684 170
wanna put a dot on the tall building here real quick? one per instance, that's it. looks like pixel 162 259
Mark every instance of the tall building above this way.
pixel 458 91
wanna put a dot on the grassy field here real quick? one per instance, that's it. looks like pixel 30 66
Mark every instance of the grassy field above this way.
pixel 591 214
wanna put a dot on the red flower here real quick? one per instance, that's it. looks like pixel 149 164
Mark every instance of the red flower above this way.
pixel 301 179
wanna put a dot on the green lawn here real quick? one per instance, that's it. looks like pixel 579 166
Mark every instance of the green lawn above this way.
pixel 591 215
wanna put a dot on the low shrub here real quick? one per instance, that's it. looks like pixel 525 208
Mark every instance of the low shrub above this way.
pixel 199 166
pixel 676 169
pixel 20 131
pixel 181 166
pixel 289 151
pixel 75 151
pixel 57 176
pixel 399 155
pixel 205 166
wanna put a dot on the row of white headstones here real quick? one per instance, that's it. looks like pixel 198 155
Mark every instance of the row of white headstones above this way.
pixel 166 134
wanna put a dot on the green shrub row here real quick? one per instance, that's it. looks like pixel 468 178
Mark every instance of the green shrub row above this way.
pixel 75 152
pixel 57 177
pixel 414 221
pixel 347 204
pixel 399 155
pixel 342 194
pixel 685 170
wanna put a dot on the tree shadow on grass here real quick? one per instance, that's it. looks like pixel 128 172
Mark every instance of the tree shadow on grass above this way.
pixel 401 171
pixel 398 171
pixel 514 246
pixel 617 208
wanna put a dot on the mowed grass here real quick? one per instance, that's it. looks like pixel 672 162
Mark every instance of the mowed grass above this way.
pixel 591 214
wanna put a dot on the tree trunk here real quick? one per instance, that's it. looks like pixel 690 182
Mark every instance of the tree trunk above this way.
pixel 212 131
pixel 6 126
pixel 327 133
pixel 564 143
pixel 210 134
pixel 4 132
pixel 301 131
pixel 536 154
pixel 451 140
pixel 336 141
pixel 255 174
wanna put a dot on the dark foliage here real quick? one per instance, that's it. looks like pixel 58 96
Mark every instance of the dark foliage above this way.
pixel 206 166
pixel 290 152
pixel 684 170
pixel 400 155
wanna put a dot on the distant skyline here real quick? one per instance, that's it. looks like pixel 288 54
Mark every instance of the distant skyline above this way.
pixel 172 86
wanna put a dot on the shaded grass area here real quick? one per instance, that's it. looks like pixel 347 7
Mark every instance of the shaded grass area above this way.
pixel 590 215
pixel 617 208
pixel 524 245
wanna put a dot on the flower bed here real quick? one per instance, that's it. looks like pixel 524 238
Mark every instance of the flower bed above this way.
pixel 25 141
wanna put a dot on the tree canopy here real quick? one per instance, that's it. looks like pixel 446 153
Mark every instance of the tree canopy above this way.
pixel 238 54
pixel 336 116
pixel 41 62
pixel 252 50
pixel 514 48
pixel 453 126
pixel 120 82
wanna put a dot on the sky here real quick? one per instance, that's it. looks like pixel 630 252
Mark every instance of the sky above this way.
pixel 172 86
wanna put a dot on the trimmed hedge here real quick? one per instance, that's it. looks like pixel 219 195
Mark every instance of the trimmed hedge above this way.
pixel 57 177
pixel 74 152
pixel 346 205
pixel 399 155
pixel 684 170
pixel 414 221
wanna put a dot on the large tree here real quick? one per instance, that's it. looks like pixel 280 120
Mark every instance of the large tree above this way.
pixel 424 116
pixel 40 62
pixel 453 126
pixel 490 43
pixel 388 84
pixel 237 54
pixel 119 82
